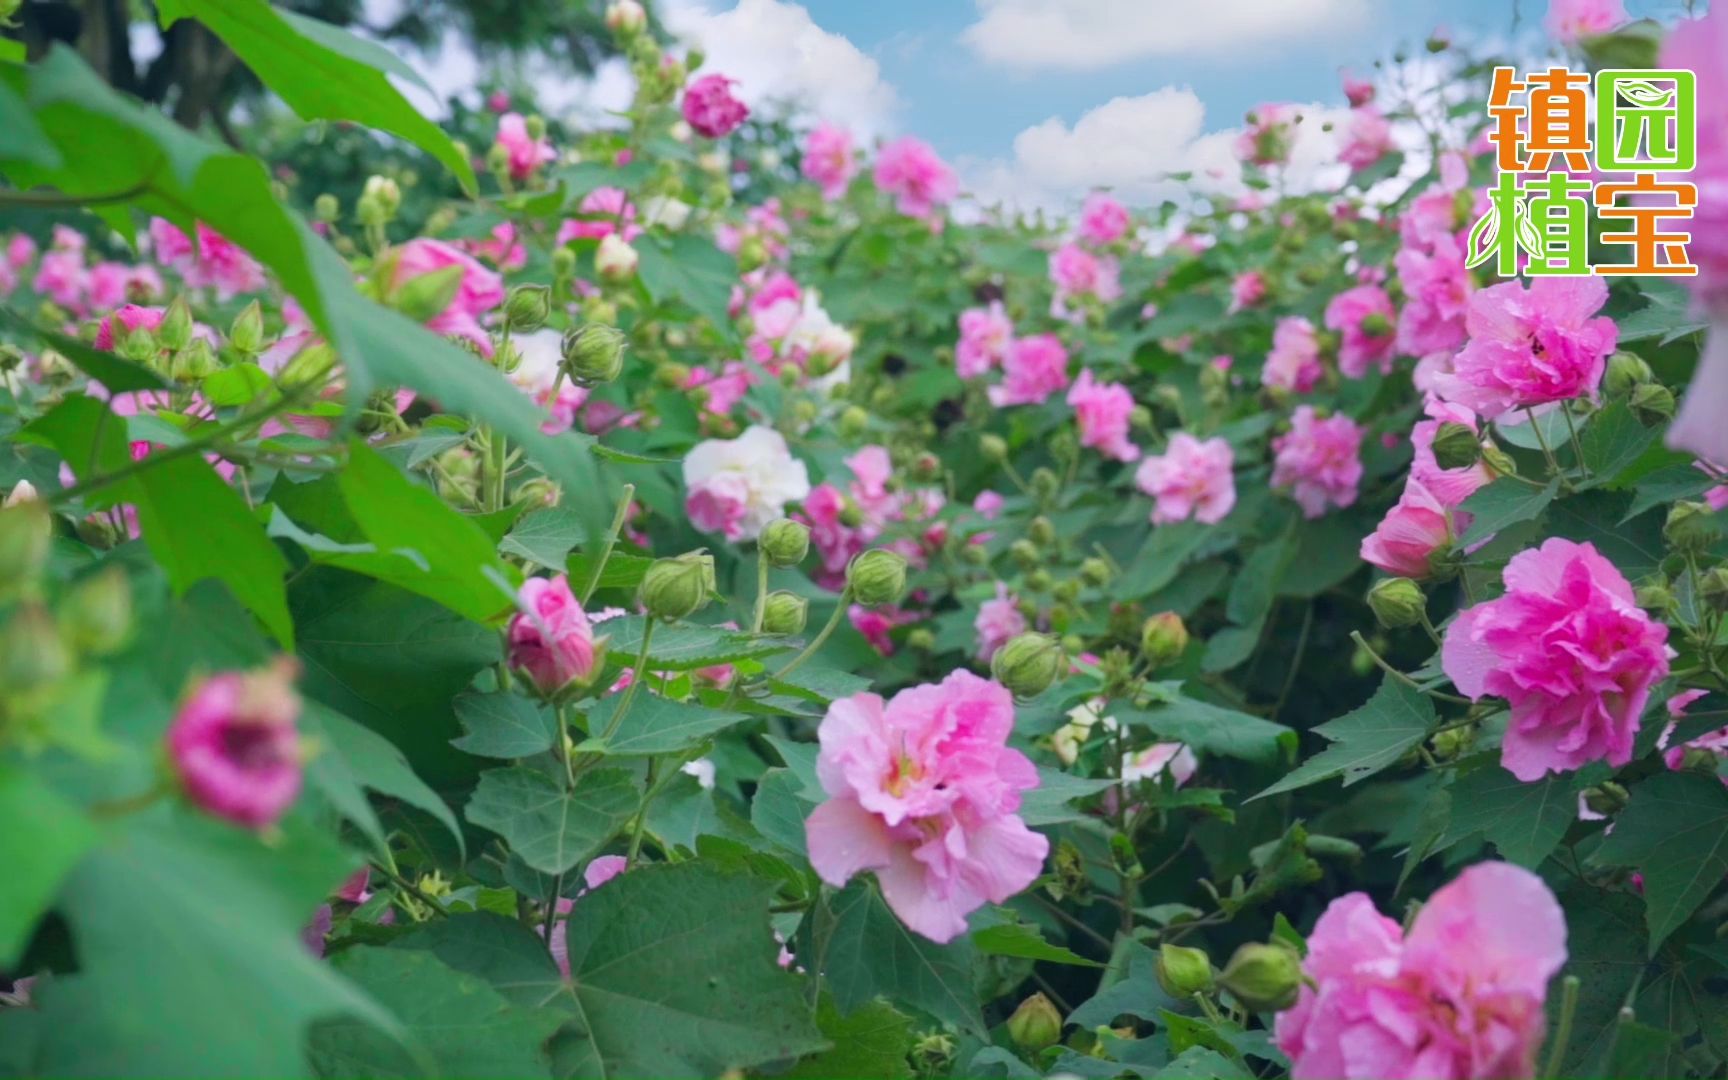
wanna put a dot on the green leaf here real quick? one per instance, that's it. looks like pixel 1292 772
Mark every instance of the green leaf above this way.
pixel 655 725
pixel 88 438
pixel 1048 803
pixel 457 1024
pixel 1675 831
pixel 1367 740
pixel 1130 988
pixel 546 537
pixel 1214 729
pixel 1665 485
pixel 1525 821
pixel 324 74
pixel 1504 502
pixel 507 955
pixel 779 812
pixel 352 757
pixel 1018 939
pixel 871 954
pixel 504 725
pixel 872 1041
pixel 1635 546
pixel 690 268
pixel 685 648
pixel 21 137
pixel 1612 441
pixel 550 828
pixel 44 838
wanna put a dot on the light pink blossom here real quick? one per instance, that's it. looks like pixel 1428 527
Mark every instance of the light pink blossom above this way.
pixel 1437 293
pixel 1079 274
pixel 999 620
pixel 1190 479
pixel 1035 368
pixel 525 153
pixel 1367 138
pixel 550 638
pixel 985 334
pixel 479 291
pixel 1412 533
pixel 1294 362
pixel 1358 92
pixel 828 159
pixel 1247 289
pixel 919 180
pixel 605 210
pixel 736 486
pixel 1531 346
pixel 1104 412
pixel 1570 20
pixel 1318 461
pixel 710 107
pixel 1103 220
pixel 234 746
pixel 1450 486
pixel 1363 317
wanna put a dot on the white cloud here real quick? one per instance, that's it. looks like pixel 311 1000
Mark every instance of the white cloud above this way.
pixel 1081 34
pixel 777 52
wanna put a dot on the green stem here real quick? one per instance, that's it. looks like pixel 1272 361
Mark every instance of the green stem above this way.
pixel 1577 447
pixel 1563 1032
pixel 816 643
pixel 1542 440
pixel 1356 636
pixel 625 497
pixel 761 591
pixel 639 675
pixel 640 820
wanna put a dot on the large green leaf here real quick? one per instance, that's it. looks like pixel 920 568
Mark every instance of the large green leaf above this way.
pixel 352 757
pixel 872 1041
pixel 1367 740
pixel 1214 729
pixel 1505 502
pixel 320 71
pixel 44 838
pixel 504 725
pixel 690 268
pixel 685 648
pixel 1675 831
pixel 871 954
pixel 550 828
pixel 1524 820
pixel 655 725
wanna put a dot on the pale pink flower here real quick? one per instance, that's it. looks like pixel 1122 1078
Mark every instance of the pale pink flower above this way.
pixel 212 262
pixel 1035 368
pixel 1247 289
pixel 1103 220
pixel 828 159
pixel 710 108
pixel 1152 762
pixel 825 510
pixel 1104 412
pixel 1078 273
pixel 1294 362
pixel 540 357
pixel 1570 650
pixel 924 791
pixel 1190 479
pixel 988 504
pixel 479 291
pixel 1318 461
pixel 61 277
pixel 234 746
pixel 526 153
pixel 1269 135
pixel 985 334
pixel 1363 317
pixel 550 638
pixel 919 180
pixel 501 246
pixel 1367 138
pixel 1570 20
pixel 736 486
pixel 1716 742
pixel 606 210
pixel 875 625
pixel 1437 294
pixel 131 317
pixel 1412 533
pixel 20 250
pixel 999 621
pixel 1460 998
pixel 1358 92
pixel 1450 486
pixel 1532 346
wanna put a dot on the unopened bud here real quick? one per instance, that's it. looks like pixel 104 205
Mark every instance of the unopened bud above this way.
pixel 140 345
pixel 784 613
pixel 497 162
pixel 1184 972
pixel 26 530
pixel 308 367
pixel 994 448
pixel 624 17
pixel 1035 1024
pixel 877 577
pixel 615 259
pixel 1689 526
pixel 1025 552
pixel 1499 461
pixel 246 334
pixel 1713 589
pixel 974 555
pixel 784 542
pixel 32 653
pixel 1163 639
pixel 1265 978
pixel 563 263
pixel 1652 403
pixel 1456 446
pixel 1626 371
pixel 1607 798
pixel 175 331
pixel 593 354
pixel 326 208
pixel 1029 664
pixel 97 615
pixel 1656 596
pixel 1039 580
pixel 678 587
pixel 752 253
pixel 192 363
pixel 534 126
pixel 527 308
pixel 1095 572
pixel 1376 325
pixel 853 423
pixel 1397 602
pixel 1045 483
pixel 424 297
pixel 921 638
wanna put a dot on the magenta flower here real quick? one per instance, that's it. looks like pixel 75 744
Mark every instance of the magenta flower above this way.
pixel 1358 92
pixel 550 639
pixel 1437 294
pixel 1531 346
pixel 1078 273
pixel 1450 486
pixel 130 318
pixel 213 261
pixel 828 160
pixel 1103 220
pixel 1367 138
pixel 710 109
pixel 1104 412
pixel 985 334
pixel 525 152
pixel 1190 479
pixel 919 180
pixel 1412 533
pixel 1247 289
pixel 1363 317
pixel 1035 368
pixel 1570 650
pixel 234 745
pixel 1318 461
pixel 479 291
pixel 1460 997
pixel 605 210
pixel 924 791
pixel 999 621
pixel 1570 20
pixel 1294 362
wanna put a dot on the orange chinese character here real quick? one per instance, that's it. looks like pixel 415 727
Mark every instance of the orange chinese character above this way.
pixel 1559 120
pixel 1508 133
pixel 1646 238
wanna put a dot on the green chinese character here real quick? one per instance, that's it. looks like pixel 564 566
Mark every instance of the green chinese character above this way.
pixel 1559 215
pixel 1501 231
pixel 1646 120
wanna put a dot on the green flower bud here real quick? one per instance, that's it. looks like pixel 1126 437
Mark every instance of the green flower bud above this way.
pixel 851 515
pixel 1042 531
pixel 1689 526
pixel 1626 371
pixel 921 638
pixel 1045 483
pixel 1713 589
pixel 679 587
pixel 974 555
pixel 32 653
pixel 1095 572
pixel 538 491
pixel 1608 798
pixel 425 296
pixel 1452 742
pixel 854 422
pixel 97 615
pixel 1184 972
pixel 752 253
pixel 1265 978
pixel 1025 552
pixel 1035 1024
pixel 497 161
pixel 784 542
pixel 1698 759
pixel 1038 580
pixel 140 345
pixel 994 448
pixel 326 208
pixel 1456 446
pixel 1029 664
pixel 192 363
pixel 1163 639
pixel 1141 417
pixel 671 374
pixel 563 264
pixel 26 530
pixel 1067 590
pixel 385 192
pixel 1499 460
pixel 175 332
pixel 933 1055
pixel 535 126
pixel 1652 403
pixel 308 367
pixel 527 307
pixel 246 333
pixel 877 577
pixel 784 613
pixel 1397 602
pixel 1656 596
pixel 593 354
pixel 1376 325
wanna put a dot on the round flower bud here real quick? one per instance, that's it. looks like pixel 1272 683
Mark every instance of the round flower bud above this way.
pixel 1608 798
pixel 854 421
pixel 1024 552
pixel 97 616
pixel 1184 972
pixel 32 652
pixel 625 17
pixel 563 263
pixel 192 363
pixel 975 554
pixel 309 366
pixel 1625 372
pixel 877 577
pixel 527 307
pixel 1652 403
pixel 1456 446
pixel 497 163
pixel 1163 639
pixel 593 354
pixel 1265 978
pixel 1035 1024
pixel 678 587
pixel 1397 602
pixel 784 613
pixel 1045 483
pixel 1067 590
pixel 615 259
pixel 1656 596
pixel 1042 531
pixel 1713 589
pixel 246 333
pixel 1095 572
pixel 1029 664
pixel 26 528
pixel 1376 325
pixel 1038 580
pixel 175 331
pixel 326 208
pixel 920 638
pixel 1499 461
pixel 993 447
pixel 1689 527
pixel 784 542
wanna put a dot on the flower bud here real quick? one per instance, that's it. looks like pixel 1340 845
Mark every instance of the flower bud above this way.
pixel 424 297
pixel 1163 639
pixel 1025 552
pixel 1607 798
pixel 140 345
pixel 1713 589
pixel 32 652
pixel 22 492
pixel 534 126
pixel 625 17
pixel 1042 531
pixel 1376 325
pixel 593 354
pixel 1265 978
pixel 1656 596
pixel 1652 403
pixel 678 587
pixel 326 208
pixel 246 333
pixel 192 363
pixel 97 616
pixel 385 191
pixel 1626 371
pixel 1095 572
pixel 527 307
pixel 1039 580
pixel 1397 602
pixel 1141 418
pixel 1689 526
pixel 1452 742
pixel 1035 1024
pixel 877 577
pixel 615 259
pixel 975 554
pixel 175 331
pixel 1029 664
pixel 1045 483
pixel 497 163
pixel 1456 446
pixel 563 264
pixel 854 421
pixel 784 613
pixel 309 366
pixel 851 515
pixel 26 529
pixel 920 638
pixel 784 542
pixel 1499 461
pixel 1184 972
pixel 994 448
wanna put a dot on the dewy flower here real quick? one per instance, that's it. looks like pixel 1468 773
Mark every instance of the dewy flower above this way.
pixel 924 791
pixel 525 153
pixel 1103 411
pixel 1531 346
pixel 1363 317
pixel 234 745
pixel 550 638
pixel 1460 997
pixel 919 180
pixel 1294 362
pixel 480 290
pixel 985 334
pixel 710 109
pixel 1103 220
pixel 1570 20
pixel 1367 138
pixel 1412 533
pixel 1035 368
pixel 999 621
pixel 1077 272
pixel 1190 479
pixel 735 487
pixel 1318 461
pixel 828 160
pixel 1570 651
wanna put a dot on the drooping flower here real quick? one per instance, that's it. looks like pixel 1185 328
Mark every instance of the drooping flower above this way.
pixel 550 638
pixel 1103 220
pixel 479 291
pixel 919 180
pixel 1104 411
pixel 524 152
pixel 924 791
pixel 1363 317
pixel 1035 368
pixel 828 160
pixel 1570 20
pixel 1571 652
pixel 1531 346
pixel 735 486
pixel 710 108
pixel 234 746
pixel 999 620
pixel 1190 479
pixel 1294 362
pixel 1460 997
pixel 985 334
pixel 1318 460
pixel 1367 138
